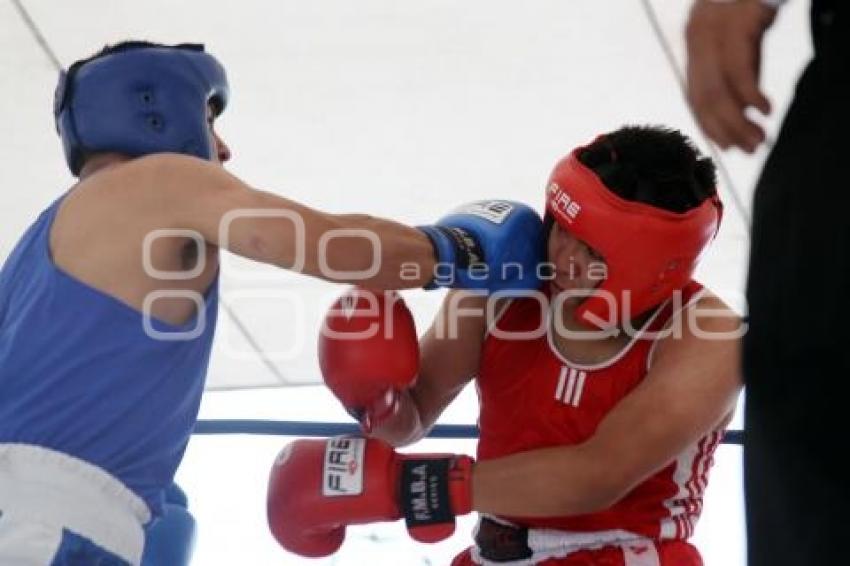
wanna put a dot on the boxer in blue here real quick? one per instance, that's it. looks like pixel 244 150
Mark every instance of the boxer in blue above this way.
pixel 108 302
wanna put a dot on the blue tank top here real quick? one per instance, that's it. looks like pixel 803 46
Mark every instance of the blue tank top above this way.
pixel 79 372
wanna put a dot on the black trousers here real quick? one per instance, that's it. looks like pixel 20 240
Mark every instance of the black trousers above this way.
pixel 797 352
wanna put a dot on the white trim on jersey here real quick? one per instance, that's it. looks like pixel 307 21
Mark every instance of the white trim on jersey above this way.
pixel 562 381
pixel 695 297
pixel 613 359
pixel 570 386
pixel 690 478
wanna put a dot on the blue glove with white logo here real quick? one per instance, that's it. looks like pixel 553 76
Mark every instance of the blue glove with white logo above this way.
pixel 492 245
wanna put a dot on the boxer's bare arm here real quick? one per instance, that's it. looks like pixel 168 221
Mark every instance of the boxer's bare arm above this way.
pixel 449 356
pixel 692 386
pixel 188 193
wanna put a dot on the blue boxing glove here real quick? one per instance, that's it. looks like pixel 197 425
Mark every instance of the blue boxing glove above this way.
pixel 492 245
pixel 170 540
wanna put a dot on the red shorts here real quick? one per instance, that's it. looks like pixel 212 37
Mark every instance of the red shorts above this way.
pixel 665 553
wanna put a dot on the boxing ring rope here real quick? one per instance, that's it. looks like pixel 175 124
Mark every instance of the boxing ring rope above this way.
pixel 313 428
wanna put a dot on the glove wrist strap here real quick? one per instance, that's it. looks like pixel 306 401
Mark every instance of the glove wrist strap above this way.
pixel 433 489
pixel 425 497
pixel 457 249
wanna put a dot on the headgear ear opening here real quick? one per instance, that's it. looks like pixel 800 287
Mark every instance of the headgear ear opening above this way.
pixel 138 101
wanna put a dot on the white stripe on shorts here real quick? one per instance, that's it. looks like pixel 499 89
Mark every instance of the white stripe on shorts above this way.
pixel 43 491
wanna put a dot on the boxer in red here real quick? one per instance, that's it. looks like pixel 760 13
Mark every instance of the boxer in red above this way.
pixel 602 397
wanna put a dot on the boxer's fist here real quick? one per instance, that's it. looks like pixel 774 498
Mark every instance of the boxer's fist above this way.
pixel 493 245
pixel 368 352
pixel 318 487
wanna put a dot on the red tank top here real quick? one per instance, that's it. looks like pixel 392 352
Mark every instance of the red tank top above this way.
pixel 533 398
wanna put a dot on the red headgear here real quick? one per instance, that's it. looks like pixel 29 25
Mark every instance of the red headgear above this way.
pixel 649 252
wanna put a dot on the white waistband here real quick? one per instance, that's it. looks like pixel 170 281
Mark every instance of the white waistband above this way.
pixel 555 543
pixel 61 491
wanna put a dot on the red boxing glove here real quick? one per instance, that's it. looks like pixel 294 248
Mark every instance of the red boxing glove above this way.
pixel 318 487
pixel 368 352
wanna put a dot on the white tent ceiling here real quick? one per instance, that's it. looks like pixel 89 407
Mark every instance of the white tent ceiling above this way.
pixel 399 109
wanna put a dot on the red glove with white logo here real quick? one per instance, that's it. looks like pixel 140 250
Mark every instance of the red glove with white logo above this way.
pixel 318 487
pixel 368 353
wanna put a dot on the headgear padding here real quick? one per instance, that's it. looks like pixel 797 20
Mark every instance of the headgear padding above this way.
pixel 139 101
pixel 649 252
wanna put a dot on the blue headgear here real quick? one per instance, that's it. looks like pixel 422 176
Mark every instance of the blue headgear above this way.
pixel 139 101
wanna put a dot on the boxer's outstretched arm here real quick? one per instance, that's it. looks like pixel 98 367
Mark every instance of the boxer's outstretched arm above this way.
pixel 193 194
pixel 450 353
pixel 691 389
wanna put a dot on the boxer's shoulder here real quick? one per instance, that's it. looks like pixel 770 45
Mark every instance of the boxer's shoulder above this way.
pixel 110 236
